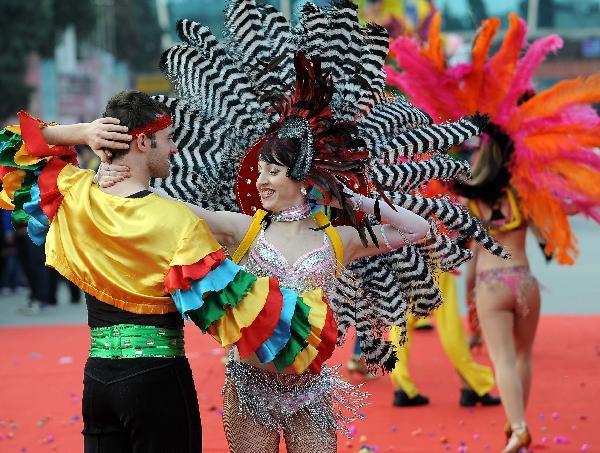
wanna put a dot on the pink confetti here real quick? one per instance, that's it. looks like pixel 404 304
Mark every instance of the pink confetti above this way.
pixel 475 436
pixel 561 440
pixel 487 447
pixel 50 438
pixel 544 439
pixel 555 415
pixel 394 428
pixel 584 447
pixel 1 436
pixel 352 430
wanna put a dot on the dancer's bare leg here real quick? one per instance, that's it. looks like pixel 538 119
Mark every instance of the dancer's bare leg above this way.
pixel 525 330
pixel 495 309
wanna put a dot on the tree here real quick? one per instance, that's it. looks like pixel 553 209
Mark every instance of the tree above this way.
pixel 27 27
pixel 138 34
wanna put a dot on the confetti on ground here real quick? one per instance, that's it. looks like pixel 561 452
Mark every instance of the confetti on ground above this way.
pixel 65 360
pixel 49 388
pixel 561 440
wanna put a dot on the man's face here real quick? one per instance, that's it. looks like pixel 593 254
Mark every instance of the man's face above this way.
pixel 162 149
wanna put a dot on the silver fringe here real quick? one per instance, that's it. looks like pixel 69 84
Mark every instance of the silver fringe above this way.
pixel 274 398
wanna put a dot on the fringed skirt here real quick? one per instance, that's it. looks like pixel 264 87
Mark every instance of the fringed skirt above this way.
pixel 273 399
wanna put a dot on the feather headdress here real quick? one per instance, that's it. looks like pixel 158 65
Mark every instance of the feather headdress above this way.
pixel 553 165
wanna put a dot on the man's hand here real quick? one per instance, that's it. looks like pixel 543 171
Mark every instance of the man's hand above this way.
pixel 105 134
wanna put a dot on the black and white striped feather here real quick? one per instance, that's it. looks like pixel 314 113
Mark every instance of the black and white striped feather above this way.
pixel 219 112
pixel 410 176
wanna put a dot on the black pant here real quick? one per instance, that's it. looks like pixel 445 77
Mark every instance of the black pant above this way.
pixel 146 405
pixel 54 280
pixel 32 258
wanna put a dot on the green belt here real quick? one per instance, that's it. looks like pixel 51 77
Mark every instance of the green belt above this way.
pixel 130 341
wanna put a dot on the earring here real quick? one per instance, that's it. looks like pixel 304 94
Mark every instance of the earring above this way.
pixel 303 190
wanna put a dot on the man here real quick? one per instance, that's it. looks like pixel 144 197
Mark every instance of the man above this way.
pixel 138 258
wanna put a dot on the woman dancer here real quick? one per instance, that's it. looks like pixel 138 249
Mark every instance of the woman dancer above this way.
pixel 535 165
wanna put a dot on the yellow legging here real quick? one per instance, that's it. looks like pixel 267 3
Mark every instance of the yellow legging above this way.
pixel 452 336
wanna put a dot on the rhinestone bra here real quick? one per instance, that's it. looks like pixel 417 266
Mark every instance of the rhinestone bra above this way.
pixel 314 269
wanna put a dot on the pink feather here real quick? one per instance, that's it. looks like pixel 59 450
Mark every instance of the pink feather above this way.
pixel 522 81
pixel 428 88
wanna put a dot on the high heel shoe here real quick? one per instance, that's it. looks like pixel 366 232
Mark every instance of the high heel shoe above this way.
pixel 507 430
pixel 519 440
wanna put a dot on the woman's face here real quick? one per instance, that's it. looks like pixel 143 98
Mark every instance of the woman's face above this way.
pixel 277 191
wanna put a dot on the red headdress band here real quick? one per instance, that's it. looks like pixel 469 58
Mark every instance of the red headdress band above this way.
pixel 161 122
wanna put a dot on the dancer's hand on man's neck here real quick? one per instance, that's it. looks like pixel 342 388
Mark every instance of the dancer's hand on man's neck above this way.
pixel 137 182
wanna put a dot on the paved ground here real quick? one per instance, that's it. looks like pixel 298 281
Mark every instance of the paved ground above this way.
pixel 566 289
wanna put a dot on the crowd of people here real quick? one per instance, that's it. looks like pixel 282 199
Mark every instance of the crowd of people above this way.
pixel 282 197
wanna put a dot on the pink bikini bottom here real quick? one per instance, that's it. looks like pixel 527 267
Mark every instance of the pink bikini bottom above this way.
pixel 518 279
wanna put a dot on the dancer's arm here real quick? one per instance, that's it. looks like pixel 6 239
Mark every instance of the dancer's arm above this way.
pixel 227 227
pixel 99 134
pixel 401 227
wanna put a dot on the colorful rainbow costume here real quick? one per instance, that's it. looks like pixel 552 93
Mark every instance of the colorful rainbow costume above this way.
pixel 98 240
pixel 550 136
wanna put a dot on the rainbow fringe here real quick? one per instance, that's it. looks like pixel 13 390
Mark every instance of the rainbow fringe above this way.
pixel 29 169
pixel 254 313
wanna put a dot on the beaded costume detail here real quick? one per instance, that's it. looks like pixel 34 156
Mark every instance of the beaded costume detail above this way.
pixel 314 269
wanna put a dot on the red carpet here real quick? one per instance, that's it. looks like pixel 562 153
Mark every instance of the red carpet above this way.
pixel 41 384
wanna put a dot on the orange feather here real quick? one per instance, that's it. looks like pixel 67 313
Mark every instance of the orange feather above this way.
pixel 547 214
pixel 471 92
pixel 433 48
pixel 500 68
pixel 568 92
pixel 551 142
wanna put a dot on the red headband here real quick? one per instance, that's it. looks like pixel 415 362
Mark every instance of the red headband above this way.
pixel 161 122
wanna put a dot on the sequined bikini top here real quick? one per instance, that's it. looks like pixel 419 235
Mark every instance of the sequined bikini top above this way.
pixel 314 269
